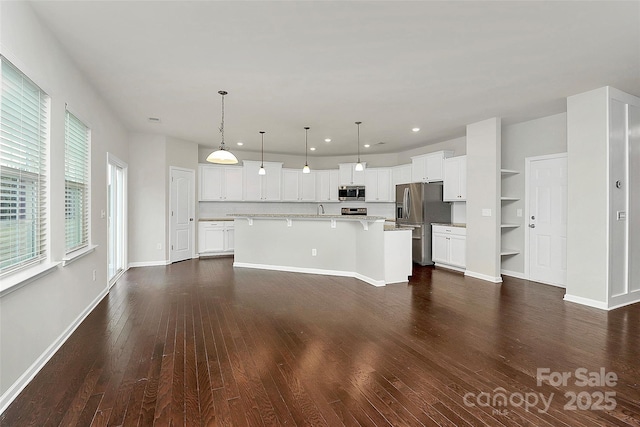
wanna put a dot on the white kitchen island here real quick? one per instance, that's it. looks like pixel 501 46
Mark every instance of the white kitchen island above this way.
pixel 334 245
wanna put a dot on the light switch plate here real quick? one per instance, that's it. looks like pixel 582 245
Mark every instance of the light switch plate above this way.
pixel 486 212
pixel 519 213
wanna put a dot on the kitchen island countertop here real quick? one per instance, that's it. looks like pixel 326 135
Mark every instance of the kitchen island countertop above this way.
pixel 309 216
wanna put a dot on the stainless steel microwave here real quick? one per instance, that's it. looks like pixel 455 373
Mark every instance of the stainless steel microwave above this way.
pixel 351 192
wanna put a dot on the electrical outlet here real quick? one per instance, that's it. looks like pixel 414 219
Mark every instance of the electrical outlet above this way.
pixel 314 252
pixel 94 275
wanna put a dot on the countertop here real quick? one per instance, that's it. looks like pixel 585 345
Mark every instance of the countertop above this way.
pixel 311 216
pixel 394 228
pixel 455 224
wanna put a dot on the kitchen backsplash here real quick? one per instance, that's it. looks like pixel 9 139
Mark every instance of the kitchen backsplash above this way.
pixel 218 209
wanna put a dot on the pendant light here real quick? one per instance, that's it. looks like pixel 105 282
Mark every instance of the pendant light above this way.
pixel 306 168
pixel 359 167
pixel 262 170
pixel 222 155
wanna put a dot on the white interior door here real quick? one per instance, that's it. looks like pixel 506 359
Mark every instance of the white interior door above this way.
pixel 116 217
pixel 181 216
pixel 547 219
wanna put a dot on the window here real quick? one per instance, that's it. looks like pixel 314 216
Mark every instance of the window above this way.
pixel 24 111
pixel 76 183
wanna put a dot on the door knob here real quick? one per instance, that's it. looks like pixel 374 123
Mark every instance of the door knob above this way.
pixel 532 226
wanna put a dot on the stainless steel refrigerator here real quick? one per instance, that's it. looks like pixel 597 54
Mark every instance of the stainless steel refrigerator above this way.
pixel 418 205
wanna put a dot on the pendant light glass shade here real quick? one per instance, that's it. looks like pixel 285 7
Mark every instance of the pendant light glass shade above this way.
pixel 359 167
pixel 222 156
pixel 306 168
pixel 262 170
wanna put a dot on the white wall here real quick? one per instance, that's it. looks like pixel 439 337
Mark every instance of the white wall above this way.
pixel 36 316
pixel 547 135
pixel 148 199
pixel 483 193
pixel 149 162
pixel 587 205
pixel 457 145
pixel 315 162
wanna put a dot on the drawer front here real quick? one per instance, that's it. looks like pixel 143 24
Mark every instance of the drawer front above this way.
pixel 456 231
pixel 213 224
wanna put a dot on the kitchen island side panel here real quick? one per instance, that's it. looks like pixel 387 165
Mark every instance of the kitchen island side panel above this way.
pixel 273 242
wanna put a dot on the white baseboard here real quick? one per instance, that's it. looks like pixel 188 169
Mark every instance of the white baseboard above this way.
pixel 483 276
pixel 586 301
pixel 449 267
pixel 515 274
pixel 290 269
pixel 24 379
pixel 622 304
pixel 149 263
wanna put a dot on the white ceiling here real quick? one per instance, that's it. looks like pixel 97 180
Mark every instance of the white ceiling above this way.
pixel 392 65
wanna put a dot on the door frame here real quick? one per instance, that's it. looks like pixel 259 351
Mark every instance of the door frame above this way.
pixel 192 228
pixel 527 170
pixel 114 160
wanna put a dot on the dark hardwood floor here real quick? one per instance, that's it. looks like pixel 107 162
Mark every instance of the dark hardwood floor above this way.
pixel 200 343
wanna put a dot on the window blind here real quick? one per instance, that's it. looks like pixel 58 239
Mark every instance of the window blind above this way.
pixel 23 178
pixel 76 180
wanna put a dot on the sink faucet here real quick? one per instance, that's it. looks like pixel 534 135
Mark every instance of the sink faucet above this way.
pixel 319 208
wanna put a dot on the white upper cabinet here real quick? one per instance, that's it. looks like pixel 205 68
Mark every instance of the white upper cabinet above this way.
pixel 298 186
pixel 378 185
pixel 455 179
pixel 400 175
pixel 429 167
pixel 327 185
pixel 262 187
pixel 220 183
pixel 349 175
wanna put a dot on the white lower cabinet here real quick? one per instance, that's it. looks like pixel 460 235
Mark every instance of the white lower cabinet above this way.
pixel 215 237
pixel 449 246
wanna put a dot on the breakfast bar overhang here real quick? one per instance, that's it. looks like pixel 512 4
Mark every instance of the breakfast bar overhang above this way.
pixel 324 244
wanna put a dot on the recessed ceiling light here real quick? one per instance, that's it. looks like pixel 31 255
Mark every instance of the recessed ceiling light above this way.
pixel 327 140
pixel 241 143
pixel 367 145
pixel 312 148
pixel 154 119
pixel 416 129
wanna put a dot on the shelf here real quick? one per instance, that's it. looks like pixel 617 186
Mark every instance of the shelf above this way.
pixel 508 252
pixel 509 225
pixel 509 172
pixel 509 199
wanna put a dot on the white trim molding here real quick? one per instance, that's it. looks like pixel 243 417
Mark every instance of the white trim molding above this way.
pixel 483 276
pixel 72 256
pixel 21 278
pixel 15 389
pixel 515 274
pixel 149 263
pixel 304 270
pixel 586 301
